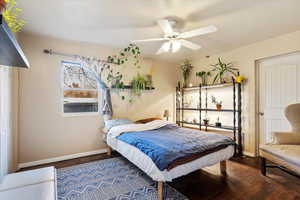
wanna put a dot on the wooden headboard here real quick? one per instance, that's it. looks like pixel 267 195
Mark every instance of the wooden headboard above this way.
pixel 143 121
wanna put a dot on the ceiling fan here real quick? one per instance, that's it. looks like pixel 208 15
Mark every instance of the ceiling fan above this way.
pixel 174 40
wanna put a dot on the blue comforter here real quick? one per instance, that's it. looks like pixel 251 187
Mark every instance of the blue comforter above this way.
pixel 172 143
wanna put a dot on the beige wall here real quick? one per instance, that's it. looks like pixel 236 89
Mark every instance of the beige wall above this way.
pixel 44 131
pixel 245 58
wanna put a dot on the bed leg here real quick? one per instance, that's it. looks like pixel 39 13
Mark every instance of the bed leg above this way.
pixel 160 190
pixel 263 166
pixel 223 167
pixel 109 150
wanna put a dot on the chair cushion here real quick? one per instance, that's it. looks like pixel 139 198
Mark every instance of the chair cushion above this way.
pixel 288 153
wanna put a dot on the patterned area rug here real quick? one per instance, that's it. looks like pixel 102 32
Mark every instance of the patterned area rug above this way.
pixel 110 179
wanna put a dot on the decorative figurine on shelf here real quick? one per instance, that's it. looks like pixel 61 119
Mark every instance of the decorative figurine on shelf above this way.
pixel 217 103
pixel 203 75
pixel 218 123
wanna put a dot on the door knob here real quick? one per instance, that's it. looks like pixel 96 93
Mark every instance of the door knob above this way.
pixel 261 113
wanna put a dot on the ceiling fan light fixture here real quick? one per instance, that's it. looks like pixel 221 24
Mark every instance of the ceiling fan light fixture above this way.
pixel 176 45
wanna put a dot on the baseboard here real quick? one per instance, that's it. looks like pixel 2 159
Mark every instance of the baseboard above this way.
pixel 60 158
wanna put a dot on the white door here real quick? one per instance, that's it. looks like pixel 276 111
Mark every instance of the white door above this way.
pixel 279 86
pixel 3 121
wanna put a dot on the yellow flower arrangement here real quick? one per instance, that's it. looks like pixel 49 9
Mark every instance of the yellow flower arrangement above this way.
pixel 11 13
pixel 240 79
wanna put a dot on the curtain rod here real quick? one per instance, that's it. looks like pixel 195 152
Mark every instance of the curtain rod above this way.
pixel 51 52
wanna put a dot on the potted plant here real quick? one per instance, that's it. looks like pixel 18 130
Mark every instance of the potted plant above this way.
pixel 222 69
pixel 206 121
pixel 149 82
pixel 186 69
pixel 203 75
pixel 11 13
pixel 218 123
pixel 138 83
pixel 216 102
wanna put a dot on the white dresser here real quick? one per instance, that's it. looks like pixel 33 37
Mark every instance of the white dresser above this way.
pixel 39 184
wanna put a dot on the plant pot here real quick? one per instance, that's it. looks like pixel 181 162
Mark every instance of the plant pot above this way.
pixel 219 107
pixel 218 124
pixel 206 122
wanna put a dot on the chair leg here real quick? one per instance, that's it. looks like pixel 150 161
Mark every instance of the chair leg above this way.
pixel 223 166
pixel 160 190
pixel 263 166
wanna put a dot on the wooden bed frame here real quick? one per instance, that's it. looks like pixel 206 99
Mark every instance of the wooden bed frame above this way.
pixel 160 184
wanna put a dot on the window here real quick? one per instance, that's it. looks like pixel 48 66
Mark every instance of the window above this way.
pixel 79 90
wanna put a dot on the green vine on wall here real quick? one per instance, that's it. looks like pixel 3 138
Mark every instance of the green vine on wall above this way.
pixel 138 82
pixel 132 51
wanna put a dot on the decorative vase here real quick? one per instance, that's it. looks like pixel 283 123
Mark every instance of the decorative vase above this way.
pixel 218 124
pixel 219 106
pixel 185 82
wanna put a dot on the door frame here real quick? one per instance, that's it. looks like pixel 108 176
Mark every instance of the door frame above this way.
pixel 257 104
pixel 257 96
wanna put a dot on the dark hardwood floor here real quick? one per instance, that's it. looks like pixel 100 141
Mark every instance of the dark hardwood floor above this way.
pixel 244 181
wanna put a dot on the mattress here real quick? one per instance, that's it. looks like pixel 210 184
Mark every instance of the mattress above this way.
pixel 145 163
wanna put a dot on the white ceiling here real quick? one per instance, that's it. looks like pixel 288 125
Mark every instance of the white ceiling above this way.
pixel 115 23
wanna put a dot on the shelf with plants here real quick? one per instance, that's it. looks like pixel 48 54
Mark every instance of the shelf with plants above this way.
pixel 208 86
pixel 208 109
pixel 190 123
pixel 129 87
pixel 231 128
pixel 200 104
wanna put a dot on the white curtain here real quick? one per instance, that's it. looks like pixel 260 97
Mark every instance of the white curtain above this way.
pixel 95 68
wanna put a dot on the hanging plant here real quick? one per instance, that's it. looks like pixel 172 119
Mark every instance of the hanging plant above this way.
pixel 132 51
pixel 222 69
pixel 11 13
pixel 139 82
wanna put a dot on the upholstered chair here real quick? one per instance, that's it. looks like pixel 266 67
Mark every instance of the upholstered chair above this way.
pixel 284 150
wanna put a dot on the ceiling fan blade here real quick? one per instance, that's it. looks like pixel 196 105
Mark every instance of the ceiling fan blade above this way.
pixel 160 50
pixel 165 47
pixel 149 40
pixel 200 31
pixel 165 26
pixel 190 45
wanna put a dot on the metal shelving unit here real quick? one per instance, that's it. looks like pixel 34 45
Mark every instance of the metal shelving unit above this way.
pixel 237 110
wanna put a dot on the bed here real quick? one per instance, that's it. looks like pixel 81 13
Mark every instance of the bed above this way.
pixel 135 142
